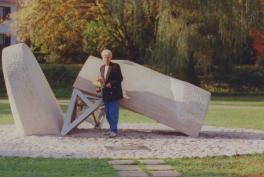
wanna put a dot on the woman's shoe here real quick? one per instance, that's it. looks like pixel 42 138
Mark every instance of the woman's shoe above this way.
pixel 113 134
pixel 107 133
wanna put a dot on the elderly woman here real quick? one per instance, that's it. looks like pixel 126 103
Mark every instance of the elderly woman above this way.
pixel 111 78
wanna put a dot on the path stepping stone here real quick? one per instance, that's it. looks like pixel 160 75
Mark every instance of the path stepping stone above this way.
pixel 132 174
pixel 165 173
pixel 126 167
pixel 151 162
pixel 121 162
pixel 158 167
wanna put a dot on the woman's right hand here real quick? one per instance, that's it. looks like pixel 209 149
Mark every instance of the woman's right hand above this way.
pixel 98 90
pixel 101 80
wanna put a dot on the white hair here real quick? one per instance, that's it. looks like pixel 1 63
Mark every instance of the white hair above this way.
pixel 106 52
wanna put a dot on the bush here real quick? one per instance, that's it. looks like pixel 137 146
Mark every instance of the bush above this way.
pixel 239 79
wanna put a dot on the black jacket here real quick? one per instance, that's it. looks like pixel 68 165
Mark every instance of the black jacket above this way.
pixel 113 76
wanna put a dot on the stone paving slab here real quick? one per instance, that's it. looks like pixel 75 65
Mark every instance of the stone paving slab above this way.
pixel 158 167
pixel 165 173
pixel 126 167
pixel 121 162
pixel 151 162
pixel 132 174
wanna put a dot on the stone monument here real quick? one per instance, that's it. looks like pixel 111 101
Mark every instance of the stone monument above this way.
pixel 175 103
pixel 33 104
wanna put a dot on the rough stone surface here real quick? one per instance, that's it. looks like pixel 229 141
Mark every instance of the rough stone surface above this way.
pixel 33 104
pixel 158 167
pixel 132 174
pixel 121 162
pixel 165 173
pixel 162 141
pixel 152 162
pixel 175 103
pixel 126 167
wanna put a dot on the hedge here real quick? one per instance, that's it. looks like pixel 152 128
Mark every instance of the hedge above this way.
pixel 241 79
pixel 246 79
pixel 59 76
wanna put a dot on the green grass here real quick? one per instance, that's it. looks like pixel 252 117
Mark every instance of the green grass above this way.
pixel 223 166
pixel 42 167
pixel 240 112
pixel 126 116
pixel 236 166
pixel 5 113
pixel 234 112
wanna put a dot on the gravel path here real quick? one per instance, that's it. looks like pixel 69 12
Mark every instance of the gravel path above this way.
pixel 134 141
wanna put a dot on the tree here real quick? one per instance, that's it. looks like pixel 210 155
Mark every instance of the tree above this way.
pixel 54 26
pixel 126 26
pixel 202 32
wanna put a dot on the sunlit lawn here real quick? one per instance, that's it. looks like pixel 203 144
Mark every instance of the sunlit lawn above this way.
pixel 241 112
pixel 237 166
pixel 236 112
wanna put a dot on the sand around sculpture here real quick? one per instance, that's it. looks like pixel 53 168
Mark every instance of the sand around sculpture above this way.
pixel 33 104
pixel 175 103
pixel 134 141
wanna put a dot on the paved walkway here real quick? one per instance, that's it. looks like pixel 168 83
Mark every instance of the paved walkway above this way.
pixel 143 168
pixel 134 141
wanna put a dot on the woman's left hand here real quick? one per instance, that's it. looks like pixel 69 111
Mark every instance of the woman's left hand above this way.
pixel 108 85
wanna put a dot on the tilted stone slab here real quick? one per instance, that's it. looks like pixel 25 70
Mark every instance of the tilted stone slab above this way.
pixel 33 104
pixel 175 103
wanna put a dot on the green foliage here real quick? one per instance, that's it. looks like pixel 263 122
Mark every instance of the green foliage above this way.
pixel 173 36
pixel 53 27
pixel 247 79
pixel 60 75
pixel 201 33
pixel 125 26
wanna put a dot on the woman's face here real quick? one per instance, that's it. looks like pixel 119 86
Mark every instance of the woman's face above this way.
pixel 106 58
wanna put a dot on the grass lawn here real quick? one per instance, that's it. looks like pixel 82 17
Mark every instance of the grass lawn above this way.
pixel 42 167
pixel 238 166
pixel 241 112
pixel 234 112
